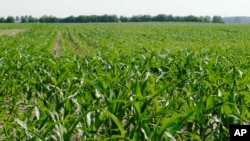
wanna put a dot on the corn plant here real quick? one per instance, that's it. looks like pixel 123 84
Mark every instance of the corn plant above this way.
pixel 144 81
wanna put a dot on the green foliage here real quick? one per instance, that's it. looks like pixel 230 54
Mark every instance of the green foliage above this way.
pixel 124 81
pixel 218 19
pixel 10 19
pixel 2 20
pixel 115 19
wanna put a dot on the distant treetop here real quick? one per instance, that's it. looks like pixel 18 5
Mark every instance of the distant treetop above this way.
pixel 114 18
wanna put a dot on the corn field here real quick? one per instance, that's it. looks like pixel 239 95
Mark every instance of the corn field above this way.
pixel 123 81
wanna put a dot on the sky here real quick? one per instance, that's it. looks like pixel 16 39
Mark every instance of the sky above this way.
pixel 64 8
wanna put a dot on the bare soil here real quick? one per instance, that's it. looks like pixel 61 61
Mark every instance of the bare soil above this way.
pixel 11 31
pixel 58 44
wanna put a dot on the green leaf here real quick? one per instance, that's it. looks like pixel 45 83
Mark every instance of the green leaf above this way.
pixel 117 122
pixel 73 126
pixel 192 136
pixel 62 77
pixel 175 120
pixel 154 95
pixel 54 81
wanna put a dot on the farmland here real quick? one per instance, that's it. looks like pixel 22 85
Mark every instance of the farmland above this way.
pixel 123 81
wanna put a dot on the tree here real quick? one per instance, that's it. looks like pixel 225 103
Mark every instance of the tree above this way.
pixel 17 19
pixel 48 19
pixel 33 20
pixel 10 19
pixel 146 18
pixel 207 19
pixel 169 18
pixel 2 20
pixel 124 19
pixel 80 19
pixel 218 19
pixel 160 18
pixel 93 18
pixel 113 18
pixel 178 19
pixel 191 18
pixel 70 19
pixel 135 19
pixel 104 18
pixel 24 19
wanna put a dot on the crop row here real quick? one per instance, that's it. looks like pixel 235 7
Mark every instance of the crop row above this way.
pixel 124 81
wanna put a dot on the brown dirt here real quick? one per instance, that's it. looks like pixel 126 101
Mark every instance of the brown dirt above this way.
pixel 11 32
pixel 58 44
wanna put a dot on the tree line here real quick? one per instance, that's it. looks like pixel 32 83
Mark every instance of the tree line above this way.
pixel 112 18
pixel 237 19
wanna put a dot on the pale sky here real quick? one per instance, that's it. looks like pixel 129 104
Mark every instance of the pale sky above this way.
pixel 64 8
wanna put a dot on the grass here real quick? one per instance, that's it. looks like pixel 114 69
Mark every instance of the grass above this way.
pixel 134 81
